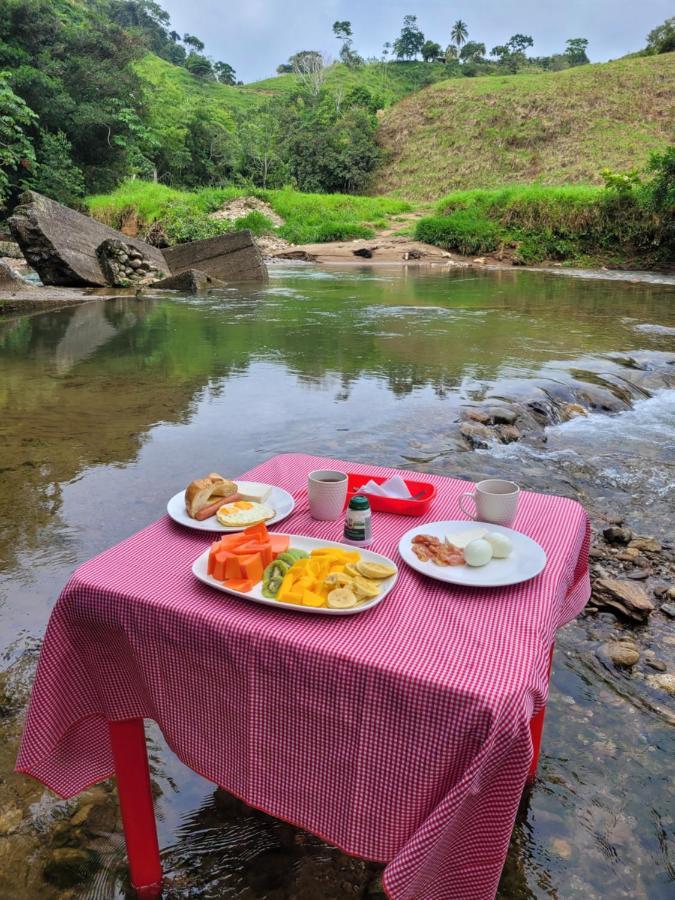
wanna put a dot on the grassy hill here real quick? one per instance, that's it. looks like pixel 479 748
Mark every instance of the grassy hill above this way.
pixel 552 128
pixel 172 93
pixel 389 83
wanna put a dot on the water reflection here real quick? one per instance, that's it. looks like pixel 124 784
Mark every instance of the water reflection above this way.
pixel 106 409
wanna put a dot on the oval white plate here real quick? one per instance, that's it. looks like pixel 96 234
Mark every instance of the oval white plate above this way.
pixel 279 499
pixel 299 542
pixel 526 560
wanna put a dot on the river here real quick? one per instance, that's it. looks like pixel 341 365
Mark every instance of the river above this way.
pixel 108 408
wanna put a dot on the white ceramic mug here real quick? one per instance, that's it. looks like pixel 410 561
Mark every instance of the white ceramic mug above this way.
pixel 327 491
pixel 495 500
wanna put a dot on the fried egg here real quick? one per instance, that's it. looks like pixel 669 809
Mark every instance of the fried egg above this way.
pixel 243 513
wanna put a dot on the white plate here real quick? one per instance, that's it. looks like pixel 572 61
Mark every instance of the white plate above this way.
pixel 526 560
pixel 298 542
pixel 279 499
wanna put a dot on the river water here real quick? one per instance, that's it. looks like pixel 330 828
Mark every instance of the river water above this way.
pixel 108 408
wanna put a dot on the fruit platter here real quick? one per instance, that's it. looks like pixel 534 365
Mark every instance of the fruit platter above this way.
pixel 295 572
pixel 475 555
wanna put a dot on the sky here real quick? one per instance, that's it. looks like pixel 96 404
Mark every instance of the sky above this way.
pixel 255 36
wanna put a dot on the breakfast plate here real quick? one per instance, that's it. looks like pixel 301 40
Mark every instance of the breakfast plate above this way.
pixel 525 560
pixel 279 499
pixel 299 542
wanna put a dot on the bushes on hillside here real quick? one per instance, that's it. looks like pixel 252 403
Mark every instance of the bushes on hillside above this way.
pixel 627 221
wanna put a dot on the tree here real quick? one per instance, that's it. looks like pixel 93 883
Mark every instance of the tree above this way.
pixel 459 33
pixel 451 53
pixel 343 32
pixel 56 174
pixel 309 66
pixel 662 38
pixel 472 52
pixel 431 51
pixel 199 65
pixel 225 73
pixel 411 40
pixel 193 42
pixel 518 43
pixel 335 154
pixel 262 154
pixel 575 51
pixel 211 152
pixel 17 156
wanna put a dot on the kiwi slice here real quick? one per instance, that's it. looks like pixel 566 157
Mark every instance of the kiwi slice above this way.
pixel 273 576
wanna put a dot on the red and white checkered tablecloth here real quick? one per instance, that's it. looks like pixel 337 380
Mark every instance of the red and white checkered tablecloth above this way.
pixel 400 735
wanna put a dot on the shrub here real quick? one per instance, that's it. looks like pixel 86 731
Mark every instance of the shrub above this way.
pixel 182 223
pixel 464 231
pixel 256 222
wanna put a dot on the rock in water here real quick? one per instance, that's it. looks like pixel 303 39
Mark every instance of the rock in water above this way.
pixel 190 282
pixel 61 244
pixel 622 654
pixel 230 257
pixel 627 597
pixel 9 280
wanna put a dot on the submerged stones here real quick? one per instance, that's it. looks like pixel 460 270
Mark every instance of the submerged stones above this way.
pixel 191 282
pixel 623 654
pixel 629 598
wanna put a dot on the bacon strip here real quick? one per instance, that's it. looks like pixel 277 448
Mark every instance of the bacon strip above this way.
pixel 428 548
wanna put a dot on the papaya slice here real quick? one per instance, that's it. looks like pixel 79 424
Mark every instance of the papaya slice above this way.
pixel 279 543
pixel 239 584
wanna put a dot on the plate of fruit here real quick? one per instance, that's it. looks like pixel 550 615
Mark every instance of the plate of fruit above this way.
pixel 295 572
pixel 476 555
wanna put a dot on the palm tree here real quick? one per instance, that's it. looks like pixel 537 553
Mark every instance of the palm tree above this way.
pixel 459 33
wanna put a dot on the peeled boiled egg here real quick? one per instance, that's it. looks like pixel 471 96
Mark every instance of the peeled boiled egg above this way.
pixel 500 543
pixel 478 553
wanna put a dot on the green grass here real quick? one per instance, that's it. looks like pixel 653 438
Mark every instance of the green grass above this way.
pixel 388 82
pixel 552 128
pixel 534 223
pixel 184 215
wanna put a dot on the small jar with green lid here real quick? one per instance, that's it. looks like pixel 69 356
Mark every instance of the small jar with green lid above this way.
pixel 358 526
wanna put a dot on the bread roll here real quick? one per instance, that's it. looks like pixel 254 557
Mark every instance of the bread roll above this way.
pixel 203 491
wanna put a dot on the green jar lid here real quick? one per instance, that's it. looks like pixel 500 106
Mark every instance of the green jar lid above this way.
pixel 359 502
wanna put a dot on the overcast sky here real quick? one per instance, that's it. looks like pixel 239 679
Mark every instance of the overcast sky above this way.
pixel 255 36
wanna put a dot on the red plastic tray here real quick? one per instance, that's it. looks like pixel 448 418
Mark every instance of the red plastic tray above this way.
pixel 390 504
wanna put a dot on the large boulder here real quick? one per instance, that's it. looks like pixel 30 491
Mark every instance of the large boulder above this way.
pixel 230 257
pixel 61 244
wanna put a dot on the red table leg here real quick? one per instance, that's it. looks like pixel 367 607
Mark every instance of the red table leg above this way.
pixel 537 730
pixel 127 739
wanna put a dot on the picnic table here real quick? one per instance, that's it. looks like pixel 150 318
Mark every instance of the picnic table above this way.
pixel 403 735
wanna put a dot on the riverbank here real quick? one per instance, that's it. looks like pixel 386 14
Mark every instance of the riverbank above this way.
pixel 388 252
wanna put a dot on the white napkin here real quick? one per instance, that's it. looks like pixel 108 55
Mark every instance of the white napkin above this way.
pixel 392 487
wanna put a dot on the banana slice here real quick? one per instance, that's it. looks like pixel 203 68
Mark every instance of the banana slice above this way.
pixel 341 598
pixel 374 570
pixel 364 588
pixel 350 569
pixel 339 579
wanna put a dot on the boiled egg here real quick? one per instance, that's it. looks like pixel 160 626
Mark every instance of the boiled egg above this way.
pixel 243 513
pixel 500 543
pixel 478 553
